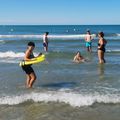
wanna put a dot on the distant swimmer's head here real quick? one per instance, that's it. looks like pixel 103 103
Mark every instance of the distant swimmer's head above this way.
pixel 88 31
pixel 78 53
pixel 46 33
pixel 101 34
pixel 31 45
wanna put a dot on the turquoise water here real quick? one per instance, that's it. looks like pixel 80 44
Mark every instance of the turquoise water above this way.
pixel 63 89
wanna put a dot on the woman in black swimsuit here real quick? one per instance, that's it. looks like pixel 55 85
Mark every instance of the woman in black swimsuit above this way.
pixel 101 47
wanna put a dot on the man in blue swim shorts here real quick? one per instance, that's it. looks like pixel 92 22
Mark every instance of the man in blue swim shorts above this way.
pixel 88 44
pixel 88 40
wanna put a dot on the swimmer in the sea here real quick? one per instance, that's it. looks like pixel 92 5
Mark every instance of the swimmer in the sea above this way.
pixel 78 58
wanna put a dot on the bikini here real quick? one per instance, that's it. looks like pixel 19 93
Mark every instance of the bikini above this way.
pixel 102 47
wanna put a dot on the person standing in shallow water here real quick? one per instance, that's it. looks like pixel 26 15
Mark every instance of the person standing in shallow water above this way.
pixel 30 74
pixel 101 47
pixel 88 40
pixel 45 41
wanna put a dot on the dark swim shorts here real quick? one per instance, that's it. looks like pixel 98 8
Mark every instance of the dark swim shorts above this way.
pixel 44 44
pixel 28 69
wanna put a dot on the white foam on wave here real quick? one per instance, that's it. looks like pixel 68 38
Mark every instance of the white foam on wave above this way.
pixel 49 36
pixel 118 34
pixel 73 99
pixel 9 61
pixel 2 41
pixel 70 36
pixel 11 54
pixel 12 57
pixel 20 36
pixel 114 50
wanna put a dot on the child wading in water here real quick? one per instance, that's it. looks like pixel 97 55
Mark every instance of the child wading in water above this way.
pixel 30 74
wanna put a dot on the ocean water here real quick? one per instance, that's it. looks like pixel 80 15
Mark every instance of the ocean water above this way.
pixel 63 90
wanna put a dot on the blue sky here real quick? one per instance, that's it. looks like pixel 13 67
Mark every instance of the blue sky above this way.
pixel 45 12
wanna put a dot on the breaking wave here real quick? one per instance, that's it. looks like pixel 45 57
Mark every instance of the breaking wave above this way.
pixel 40 36
pixel 73 99
pixel 11 54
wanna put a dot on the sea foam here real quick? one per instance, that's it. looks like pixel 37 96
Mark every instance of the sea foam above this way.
pixel 41 36
pixel 11 54
pixel 73 99
pixel 118 34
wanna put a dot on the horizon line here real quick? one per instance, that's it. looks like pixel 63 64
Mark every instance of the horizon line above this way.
pixel 52 24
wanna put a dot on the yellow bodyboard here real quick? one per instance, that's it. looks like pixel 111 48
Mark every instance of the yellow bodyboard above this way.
pixel 33 60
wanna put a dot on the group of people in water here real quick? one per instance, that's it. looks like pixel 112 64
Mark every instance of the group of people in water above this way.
pixel 30 74
pixel 101 48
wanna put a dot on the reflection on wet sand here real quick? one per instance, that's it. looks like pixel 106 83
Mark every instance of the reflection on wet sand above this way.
pixel 101 71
